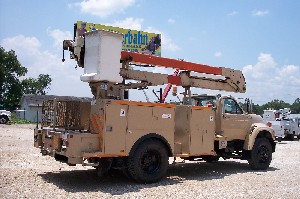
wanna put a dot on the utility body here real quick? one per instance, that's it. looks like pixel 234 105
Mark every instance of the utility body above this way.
pixel 139 137
pixel 285 125
pixel 271 117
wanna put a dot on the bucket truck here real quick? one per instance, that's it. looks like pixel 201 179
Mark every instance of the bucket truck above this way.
pixel 139 137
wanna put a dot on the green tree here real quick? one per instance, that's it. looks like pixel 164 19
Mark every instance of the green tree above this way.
pixel 276 104
pixel 10 72
pixel 36 86
pixel 257 109
pixel 11 87
pixel 295 107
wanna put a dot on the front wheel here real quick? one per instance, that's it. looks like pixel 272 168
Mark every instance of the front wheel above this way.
pixel 261 154
pixel 149 163
pixel 3 119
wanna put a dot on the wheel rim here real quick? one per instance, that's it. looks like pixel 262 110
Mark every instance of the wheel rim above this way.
pixel 151 161
pixel 2 120
pixel 263 154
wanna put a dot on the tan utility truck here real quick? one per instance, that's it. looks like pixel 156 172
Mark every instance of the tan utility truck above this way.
pixel 139 137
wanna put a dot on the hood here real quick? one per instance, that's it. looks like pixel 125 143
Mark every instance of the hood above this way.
pixel 256 118
pixel 4 112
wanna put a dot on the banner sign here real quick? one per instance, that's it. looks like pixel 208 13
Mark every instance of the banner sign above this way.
pixel 133 40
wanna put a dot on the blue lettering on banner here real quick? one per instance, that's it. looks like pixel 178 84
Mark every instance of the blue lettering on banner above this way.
pixel 136 39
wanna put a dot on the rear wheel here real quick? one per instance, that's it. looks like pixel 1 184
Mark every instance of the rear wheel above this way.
pixel 261 154
pixel 149 162
pixel 104 166
pixel 211 159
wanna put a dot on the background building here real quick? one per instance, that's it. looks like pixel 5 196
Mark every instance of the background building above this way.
pixel 31 105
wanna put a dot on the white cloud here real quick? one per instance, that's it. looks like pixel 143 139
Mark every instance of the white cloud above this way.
pixel 167 42
pixel 171 21
pixel 260 13
pixel 31 44
pixel 31 54
pixel 265 64
pixel 233 13
pixel 58 36
pixel 218 54
pixel 129 23
pixel 267 81
pixel 104 8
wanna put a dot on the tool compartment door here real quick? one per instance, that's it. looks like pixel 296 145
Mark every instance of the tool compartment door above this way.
pixel 140 123
pixel 202 127
pixel 115 129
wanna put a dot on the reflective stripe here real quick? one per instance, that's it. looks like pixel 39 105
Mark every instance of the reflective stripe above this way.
pixel 97 125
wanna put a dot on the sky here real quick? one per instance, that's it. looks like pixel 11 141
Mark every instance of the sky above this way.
pixel 260 38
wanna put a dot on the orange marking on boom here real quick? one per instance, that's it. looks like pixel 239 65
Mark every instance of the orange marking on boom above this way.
pixel 170 63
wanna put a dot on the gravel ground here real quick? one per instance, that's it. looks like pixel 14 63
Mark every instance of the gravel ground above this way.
pixel 25 173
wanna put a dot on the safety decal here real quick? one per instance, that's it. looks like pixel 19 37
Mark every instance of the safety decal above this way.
pixel 166 116
pixel 122 113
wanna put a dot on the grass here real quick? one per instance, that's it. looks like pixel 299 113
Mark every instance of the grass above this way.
pixel 16 120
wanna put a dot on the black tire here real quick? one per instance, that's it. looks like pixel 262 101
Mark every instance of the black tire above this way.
pixel 149 162
pixel 104 166
pixel 291 138
pixel 3 119
pixel 211 159
pixel 126 173
pixel 279 139
pixel 261 154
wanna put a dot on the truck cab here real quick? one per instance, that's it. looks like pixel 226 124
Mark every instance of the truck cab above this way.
pixel 235 129
pixel 231 120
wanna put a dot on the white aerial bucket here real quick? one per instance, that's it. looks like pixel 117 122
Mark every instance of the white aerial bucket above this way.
pixel 102 56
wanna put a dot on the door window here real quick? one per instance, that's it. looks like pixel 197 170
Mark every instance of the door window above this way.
pixel 230 106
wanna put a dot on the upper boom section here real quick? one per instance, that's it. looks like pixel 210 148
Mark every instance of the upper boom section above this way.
pixel 192 74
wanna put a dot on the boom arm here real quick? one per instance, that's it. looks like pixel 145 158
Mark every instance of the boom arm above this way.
pixel 191 76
